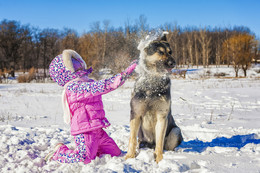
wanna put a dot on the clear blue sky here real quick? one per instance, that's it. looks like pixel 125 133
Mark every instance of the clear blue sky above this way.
pixel 80 14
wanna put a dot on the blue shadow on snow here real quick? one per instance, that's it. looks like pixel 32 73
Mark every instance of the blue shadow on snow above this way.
pixel 188 71
pixel 237 141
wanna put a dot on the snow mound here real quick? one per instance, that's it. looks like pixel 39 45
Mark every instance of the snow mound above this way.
pixel 219 119
pixel 23 150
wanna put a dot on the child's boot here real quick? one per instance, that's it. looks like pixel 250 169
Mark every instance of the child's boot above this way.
pixel 49 156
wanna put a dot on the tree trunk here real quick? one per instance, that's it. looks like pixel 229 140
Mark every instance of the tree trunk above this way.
pixel 104 47
pixel 190 48
pixel 244 72
pixel 44 59
pixel 236 71
pixel 13 67
pixel 244 68
pixel 196 52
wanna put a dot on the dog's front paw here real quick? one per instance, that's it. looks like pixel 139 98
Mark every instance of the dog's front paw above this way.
pixel 129 155
pixel 158 157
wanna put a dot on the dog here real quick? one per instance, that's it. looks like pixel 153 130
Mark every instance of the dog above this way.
pixel 150 102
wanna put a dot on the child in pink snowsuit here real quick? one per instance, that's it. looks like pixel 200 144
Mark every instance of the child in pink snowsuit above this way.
pixel 83 108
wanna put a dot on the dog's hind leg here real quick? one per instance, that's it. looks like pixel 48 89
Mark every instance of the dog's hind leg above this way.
pixel 173 139
pixel 134 127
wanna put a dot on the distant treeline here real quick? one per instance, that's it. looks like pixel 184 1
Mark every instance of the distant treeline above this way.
pixel 23 46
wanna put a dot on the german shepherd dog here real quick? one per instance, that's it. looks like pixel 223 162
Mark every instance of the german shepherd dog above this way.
pixel 151 103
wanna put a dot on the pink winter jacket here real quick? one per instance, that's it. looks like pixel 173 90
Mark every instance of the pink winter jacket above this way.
pixel 84 97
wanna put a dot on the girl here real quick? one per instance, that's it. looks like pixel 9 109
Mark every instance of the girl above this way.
pixel 83 108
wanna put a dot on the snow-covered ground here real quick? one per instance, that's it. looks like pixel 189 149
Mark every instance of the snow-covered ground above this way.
pixel 219 118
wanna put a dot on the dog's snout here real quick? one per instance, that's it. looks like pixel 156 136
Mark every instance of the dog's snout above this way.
pixel 171 62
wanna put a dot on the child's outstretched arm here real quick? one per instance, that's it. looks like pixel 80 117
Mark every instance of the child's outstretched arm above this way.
pixel 103 86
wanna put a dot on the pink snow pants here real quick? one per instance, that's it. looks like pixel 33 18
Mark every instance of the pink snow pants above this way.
pixel 88 146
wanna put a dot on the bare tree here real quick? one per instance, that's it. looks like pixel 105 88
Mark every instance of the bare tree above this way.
pixel 88 49
pixel 106 25
pixel 183 50
pixel 95 27
pixel 36 47
pixel 50 46
pixel 12 34
pixel 173 39
pixel 218 43
pixel 25 50
pixel 196 49
pixel 205 40
pixel 190 46
pixel 143 27
pixel 70 39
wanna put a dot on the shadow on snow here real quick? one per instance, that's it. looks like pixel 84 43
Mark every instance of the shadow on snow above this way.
pixel 237 141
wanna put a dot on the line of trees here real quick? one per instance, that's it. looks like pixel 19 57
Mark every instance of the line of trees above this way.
pixel 23 46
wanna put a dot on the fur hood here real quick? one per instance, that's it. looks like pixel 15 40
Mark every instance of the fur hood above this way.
pixel 65 67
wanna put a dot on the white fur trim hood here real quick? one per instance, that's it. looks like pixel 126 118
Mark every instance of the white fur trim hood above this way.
pixel 67 56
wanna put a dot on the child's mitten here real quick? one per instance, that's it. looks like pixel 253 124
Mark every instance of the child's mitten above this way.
pixel 128 71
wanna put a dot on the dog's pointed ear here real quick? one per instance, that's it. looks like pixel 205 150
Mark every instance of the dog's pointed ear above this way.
pixel 163 38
